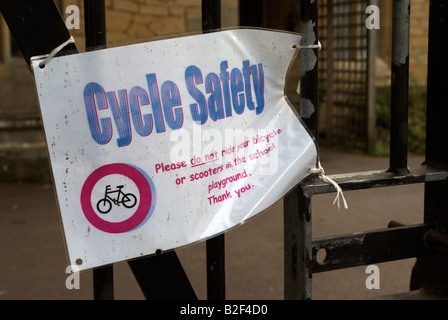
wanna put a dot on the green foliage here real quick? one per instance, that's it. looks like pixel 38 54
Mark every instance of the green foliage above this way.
pixel 416 121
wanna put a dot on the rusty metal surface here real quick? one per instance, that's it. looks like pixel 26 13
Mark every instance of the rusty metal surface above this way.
pixel 297 221
pixel 366 248
pixel 373 179
pixel 426 241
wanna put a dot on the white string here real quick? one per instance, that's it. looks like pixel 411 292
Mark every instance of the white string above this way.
pixel 43 63
pixel 340 194
pixel 312 46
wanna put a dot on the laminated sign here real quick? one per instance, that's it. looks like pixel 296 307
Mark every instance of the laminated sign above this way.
pixel 157 145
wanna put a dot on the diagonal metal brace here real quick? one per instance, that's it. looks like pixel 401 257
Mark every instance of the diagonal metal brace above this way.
pixel 161 277
pixel 37 26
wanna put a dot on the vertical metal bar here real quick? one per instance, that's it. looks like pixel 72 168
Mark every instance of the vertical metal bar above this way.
pixel 437 113
pixel 95 33
pixel 103 283
pixel 309 93
pixel 297 246
pixel 211 15
pixel 251 13
pixel 297 205
pixel 216 277
pixel 215 247
pixel 435 277
pixel 400 87
pixel 95 23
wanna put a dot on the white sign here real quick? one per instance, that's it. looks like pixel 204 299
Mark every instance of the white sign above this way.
pixel 163 144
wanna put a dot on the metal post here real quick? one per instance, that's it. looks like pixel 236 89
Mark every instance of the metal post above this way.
pixel 103 283
pixel 215 247
pixel 297 246
pixel 437 113
pixel 297 205
pixel 400 87
pixel 309 89
pixel 211 15
pixel 95 32
pixel 95 23
pixel 435 265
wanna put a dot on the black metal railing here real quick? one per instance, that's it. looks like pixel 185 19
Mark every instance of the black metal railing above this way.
pixel 428 240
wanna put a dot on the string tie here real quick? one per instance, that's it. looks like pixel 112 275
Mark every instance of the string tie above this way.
pixel 311 46
pixel 55 51
pixel 340 194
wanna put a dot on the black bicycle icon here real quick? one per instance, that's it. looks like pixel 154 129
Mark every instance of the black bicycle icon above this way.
pixel 128 200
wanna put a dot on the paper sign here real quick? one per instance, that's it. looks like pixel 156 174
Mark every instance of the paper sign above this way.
pixel 159 145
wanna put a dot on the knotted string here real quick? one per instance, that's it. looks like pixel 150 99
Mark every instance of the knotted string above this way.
pixel 340 194
pixel 55 51
pixel 312 46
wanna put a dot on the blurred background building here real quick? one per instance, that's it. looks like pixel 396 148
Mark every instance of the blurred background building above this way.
pixel 352 58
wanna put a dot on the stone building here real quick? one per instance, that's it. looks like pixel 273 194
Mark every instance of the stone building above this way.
pixel 138 20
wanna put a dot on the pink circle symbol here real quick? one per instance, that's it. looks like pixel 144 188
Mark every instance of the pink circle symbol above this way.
pixel 145 207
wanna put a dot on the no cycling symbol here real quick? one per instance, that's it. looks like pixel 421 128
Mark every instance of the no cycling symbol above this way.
pixel 116 196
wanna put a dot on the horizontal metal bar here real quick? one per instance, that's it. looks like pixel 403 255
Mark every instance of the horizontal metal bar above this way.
pixel 369 248
pixel 372 179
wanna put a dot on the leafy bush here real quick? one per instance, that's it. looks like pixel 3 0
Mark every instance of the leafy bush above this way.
pixel 416 121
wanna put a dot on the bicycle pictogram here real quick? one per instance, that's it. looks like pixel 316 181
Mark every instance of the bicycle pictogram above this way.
pixel 144 206
pixel 128 200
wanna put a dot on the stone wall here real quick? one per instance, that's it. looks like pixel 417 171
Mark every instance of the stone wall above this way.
pixel 418 55
pixel 137 20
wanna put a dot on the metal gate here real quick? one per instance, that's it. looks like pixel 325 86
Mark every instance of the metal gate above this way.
pixel 427 241
pixel 162 276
